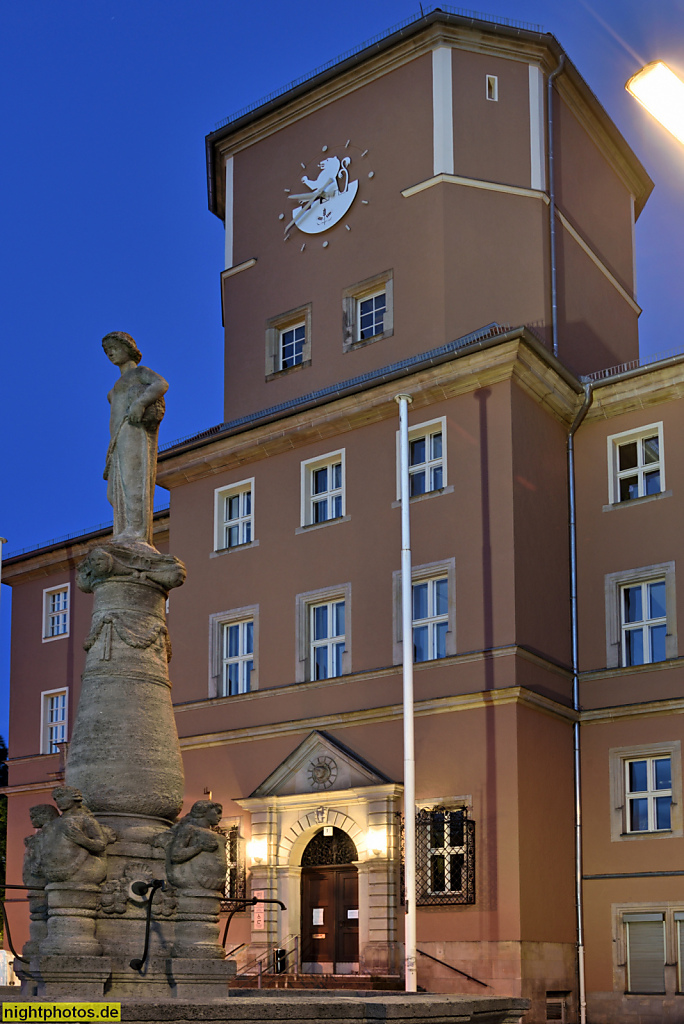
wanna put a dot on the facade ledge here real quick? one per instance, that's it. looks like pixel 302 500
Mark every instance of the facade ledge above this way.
pixel 637 501
pixel 310 527
pixel 428 494
pixel 515 355
pixel 388 713
pixel 237 547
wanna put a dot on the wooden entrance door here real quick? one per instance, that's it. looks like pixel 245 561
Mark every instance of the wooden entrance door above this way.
pixel 330 918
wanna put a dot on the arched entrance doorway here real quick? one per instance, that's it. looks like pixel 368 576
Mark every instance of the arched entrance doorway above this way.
pixel 330 904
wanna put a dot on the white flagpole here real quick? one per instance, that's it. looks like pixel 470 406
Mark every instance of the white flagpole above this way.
pixel 410 973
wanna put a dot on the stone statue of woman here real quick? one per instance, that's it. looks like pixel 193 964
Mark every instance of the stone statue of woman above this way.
pixel 137 409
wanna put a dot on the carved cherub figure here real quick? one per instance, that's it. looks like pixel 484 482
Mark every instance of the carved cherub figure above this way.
pixel 72 846
pixel 195 854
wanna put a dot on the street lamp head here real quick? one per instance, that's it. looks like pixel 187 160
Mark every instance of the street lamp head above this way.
pixel 661 92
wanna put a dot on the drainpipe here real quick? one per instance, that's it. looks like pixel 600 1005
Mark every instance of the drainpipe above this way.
pixel 552 204
pixel 579 906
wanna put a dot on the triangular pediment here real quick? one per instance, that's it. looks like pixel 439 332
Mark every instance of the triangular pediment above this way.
pixel 319 765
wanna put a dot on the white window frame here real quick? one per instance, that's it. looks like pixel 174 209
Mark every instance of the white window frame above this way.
pixel 241 659
pixel 309 499
pixel 619 758
pixel 492 88
pixel 275 328
pixel 351 309
pixel 625 437
pixel 65 588
pixel 614 584
pixel 45 698
pixel 645 624
pixel 427 430
pixel 445 569
pixel 220 523
pixel 303 628
pixel 217 623
pixel 291 329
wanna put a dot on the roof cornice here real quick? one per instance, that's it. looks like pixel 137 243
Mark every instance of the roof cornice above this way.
pixel 515 355
pixel 409 42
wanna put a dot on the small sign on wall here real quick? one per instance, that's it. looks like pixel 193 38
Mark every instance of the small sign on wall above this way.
pixel 258 915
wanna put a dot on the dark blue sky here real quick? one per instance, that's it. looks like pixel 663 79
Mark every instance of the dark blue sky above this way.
pixel 104 220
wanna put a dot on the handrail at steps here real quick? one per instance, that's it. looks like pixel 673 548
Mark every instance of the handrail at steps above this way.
pixel 452 968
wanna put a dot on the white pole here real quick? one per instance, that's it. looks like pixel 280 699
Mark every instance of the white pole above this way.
pixel 410 972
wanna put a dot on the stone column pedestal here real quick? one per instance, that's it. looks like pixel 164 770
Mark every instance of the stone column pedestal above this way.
pixel 72 911
pixel 197 926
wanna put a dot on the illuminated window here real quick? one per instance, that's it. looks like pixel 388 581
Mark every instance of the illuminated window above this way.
pixel 238 657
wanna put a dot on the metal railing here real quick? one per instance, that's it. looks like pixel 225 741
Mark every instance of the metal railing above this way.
pixel 425 10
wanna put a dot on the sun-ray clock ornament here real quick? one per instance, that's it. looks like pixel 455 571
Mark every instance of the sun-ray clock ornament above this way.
pixel 332 184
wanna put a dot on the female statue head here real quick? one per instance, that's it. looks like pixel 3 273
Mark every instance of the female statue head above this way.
pixel 124 341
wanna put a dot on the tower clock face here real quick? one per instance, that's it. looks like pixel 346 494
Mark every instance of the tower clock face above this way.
pixel 333 181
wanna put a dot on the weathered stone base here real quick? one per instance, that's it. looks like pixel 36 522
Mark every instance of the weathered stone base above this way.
pixel 112 978
pixel 321 1008
pixel 59 977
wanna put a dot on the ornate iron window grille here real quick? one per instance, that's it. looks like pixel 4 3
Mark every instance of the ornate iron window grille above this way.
pixel 236 875
pixel 325 850
pixel 445 857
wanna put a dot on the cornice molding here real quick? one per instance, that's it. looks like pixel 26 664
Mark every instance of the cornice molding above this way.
pixel 513 358
pixel 389 713
pixel 638 389
pixel 61 557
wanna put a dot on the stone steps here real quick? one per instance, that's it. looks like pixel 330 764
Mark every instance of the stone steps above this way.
pixel 317 982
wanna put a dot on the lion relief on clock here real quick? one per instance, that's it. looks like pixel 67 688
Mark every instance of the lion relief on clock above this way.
pixel 332 185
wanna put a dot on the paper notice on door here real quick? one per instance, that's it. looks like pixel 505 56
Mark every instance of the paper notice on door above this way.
pixel 317 916
pixel 258 917
pixel 352 915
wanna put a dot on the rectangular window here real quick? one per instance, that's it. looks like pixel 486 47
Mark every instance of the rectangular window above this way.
pixel 233 651
pixel 433 611
pixel 54 723
pixel 648 789
pixel 56 612
pixel 327 632
pixel 288 341
pixel 323 489
pixel 430 618
pixel 445 856
pixel 492 87
pixel 234 515
pixel 641 615
pixel 645 941
pixel 425 463
pixel 291 347
pixel 635 464
pixel 323 633
pixel 427 458
pixel 235 865
pixel 238 657
pixel 644 622
pixel 367 311
pixel 371 316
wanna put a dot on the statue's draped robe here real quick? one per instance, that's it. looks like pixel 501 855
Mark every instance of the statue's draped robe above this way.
pixel 131 467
